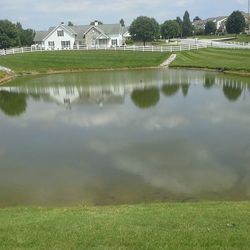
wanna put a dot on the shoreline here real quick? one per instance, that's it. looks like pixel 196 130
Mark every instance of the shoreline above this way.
pixel 8 77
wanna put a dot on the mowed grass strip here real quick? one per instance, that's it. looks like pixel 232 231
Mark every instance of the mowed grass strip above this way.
pixel 215 225
pixel 80 60
pixel 226 59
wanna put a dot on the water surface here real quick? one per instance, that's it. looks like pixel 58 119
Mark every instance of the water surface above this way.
pixel 124 137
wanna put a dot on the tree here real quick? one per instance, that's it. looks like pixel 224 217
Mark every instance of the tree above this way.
pixel 210 28
pixel 26 36
pixel 122 22
pixel 145 98
pixel 196 19
pixel 70 23
pixel 170 89
pixel 232 93
pixel 179 21
pixel 144 29
pixel 170 29
pixel 9 36
pixel 235 23
pixel 187 27
pixel 96 21
pixel 12 104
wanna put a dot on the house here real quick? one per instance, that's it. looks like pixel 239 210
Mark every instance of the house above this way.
pixel 69 37
pixel 220 23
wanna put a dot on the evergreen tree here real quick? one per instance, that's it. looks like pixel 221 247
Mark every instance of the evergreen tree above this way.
pixel 187 28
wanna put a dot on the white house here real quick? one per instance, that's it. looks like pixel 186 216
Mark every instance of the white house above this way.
pixel 65 37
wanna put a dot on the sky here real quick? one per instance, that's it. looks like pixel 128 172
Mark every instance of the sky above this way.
pixel 40 15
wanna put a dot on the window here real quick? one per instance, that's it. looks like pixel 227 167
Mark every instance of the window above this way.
pixel 51 44
pixel 60 33
pixel 65 44
pixel 114 42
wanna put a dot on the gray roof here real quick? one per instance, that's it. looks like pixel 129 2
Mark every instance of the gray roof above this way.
pixel 80 30
pixel 40 35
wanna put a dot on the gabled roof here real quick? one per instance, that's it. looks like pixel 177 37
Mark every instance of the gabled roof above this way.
pixel 40 35
pixel 80 30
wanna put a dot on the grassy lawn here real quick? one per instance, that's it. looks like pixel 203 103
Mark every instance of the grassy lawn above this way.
pixel 80 60
pixel 155 226
pixel 227 59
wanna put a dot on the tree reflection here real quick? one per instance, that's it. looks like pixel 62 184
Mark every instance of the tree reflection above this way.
pixel 209 81
pixel 185 88
pixel 12 104
pixel 232 93
pixel 170 89
pixel 145 98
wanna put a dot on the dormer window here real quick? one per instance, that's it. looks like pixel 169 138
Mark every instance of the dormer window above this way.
pixel 60 33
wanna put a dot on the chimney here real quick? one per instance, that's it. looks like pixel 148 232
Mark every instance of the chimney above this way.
pixel 96 23
pixel 62 22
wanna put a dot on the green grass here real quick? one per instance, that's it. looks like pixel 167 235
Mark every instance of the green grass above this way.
pixel 156 226
pixel 227 59
pixel 80 60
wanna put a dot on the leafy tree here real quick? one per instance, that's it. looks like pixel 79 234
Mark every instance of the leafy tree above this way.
pixel 26 36
pixel 210 28
pixel 145 98
pixel 196 19
pixel 70 23
pixel 99 22
pixel 170 89
pixel 187 27
pixel 235 23
pixel 144 29
pixel 9 36
pixel 122 22
pixel 12 104
pixel 170 29
pixel 232 93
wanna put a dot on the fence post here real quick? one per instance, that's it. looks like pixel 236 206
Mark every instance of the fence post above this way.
pixel 22 49
pixel 161 48
pixel 152 48
pixel 189 47
pixel 13 51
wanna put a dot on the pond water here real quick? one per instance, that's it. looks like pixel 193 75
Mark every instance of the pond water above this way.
pixel 124 137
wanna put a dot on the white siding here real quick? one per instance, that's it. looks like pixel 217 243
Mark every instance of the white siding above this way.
pixel 58 39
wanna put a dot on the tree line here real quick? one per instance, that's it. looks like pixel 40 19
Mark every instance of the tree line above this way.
pixel 13 35
pixel 147 29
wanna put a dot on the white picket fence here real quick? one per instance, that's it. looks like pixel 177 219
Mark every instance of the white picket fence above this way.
pixel 168 48
pixel 173 48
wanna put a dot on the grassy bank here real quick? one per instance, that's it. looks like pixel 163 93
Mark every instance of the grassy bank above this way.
pixel 224 59
pixel 155 226
pixel 231 37
pixel 80 60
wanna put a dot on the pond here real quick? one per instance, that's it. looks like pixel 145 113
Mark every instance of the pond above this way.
pixel 124 137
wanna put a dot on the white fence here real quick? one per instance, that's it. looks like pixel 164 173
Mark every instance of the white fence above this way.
pixel 173 48
pixel 168 48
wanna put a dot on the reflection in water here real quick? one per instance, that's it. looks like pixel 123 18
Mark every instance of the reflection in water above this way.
pixel 232 93
pixel 185 88
pixel 209 81
pixel 145 98
pixel 66 150
pixel 12 104
pixel 170 89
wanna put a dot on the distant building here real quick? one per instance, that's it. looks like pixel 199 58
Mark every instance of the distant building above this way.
pixel 220 23
pixel 66 37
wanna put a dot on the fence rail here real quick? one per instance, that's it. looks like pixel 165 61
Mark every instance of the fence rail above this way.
pixel 173 48
pixel 167 48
